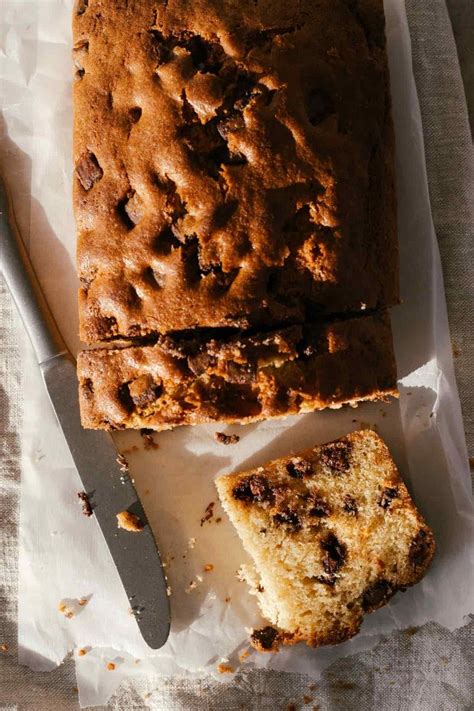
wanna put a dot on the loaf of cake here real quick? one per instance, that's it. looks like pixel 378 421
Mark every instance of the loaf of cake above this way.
pixel 333 533
pixel 233 164
pixel 237 378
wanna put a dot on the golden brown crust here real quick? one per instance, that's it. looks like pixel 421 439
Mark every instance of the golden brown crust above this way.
pixel 233 163
pixel 321 564
pixel 237 379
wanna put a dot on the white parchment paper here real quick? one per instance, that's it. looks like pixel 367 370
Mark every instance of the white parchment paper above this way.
pixel 63 555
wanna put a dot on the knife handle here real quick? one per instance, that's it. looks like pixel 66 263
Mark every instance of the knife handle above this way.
pixel 24 286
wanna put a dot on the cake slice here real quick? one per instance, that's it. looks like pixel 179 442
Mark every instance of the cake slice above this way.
pixel 333 533
pixel 244 378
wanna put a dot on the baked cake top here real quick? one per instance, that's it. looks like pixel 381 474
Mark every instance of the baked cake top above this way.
pixel 233 163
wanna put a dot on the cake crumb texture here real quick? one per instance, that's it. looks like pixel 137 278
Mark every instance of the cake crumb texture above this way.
pixel 333 533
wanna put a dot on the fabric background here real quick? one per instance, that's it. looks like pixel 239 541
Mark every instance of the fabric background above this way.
pixel 418 669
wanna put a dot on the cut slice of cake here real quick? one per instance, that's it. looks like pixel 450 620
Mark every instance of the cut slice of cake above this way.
pixel 333 533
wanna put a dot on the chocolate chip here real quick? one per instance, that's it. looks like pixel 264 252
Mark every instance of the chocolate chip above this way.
pixel 336 553
pixel 350 506
pixel 88 170
pixel 253 488
pixel 420 548
pixel 265 639
pixel 298 468
pixel 318 507
pixel 144 390
pixel 377 595
pixel 288 518
pixel 81 6
pixel 240 373
pixel 318 106
pixel 388 494
pixel 336 456
pixel 201 362
pixel 135 114
pixel 226 439
pixel 125 397
pixel 87 388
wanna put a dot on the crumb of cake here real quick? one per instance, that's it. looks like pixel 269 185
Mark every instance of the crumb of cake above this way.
pixel 226 439
pixel 244 655
pixel 86 504
pixel 193 584
pixel 81 652
pixel 208 513
pixel 148 441
pixel 4 648
pixel 208 568
pixel 111 666
pixel 122 462
pixel 66 610
pixel 218 519
pixel 291 707
pixel 137 661
pixel 129 522
pixel 225 669
pixel 192 542
pixel 307 699
pixel 82 601
pixel 456 350
pixel 168 591
pixel 265 639
pixel 312 687
pixel 227 599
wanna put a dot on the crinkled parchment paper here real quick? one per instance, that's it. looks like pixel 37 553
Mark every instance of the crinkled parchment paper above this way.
pixel 63 556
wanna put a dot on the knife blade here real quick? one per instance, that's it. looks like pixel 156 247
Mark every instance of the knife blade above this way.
pixel 109 488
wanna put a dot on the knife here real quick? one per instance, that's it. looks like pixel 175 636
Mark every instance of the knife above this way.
pixel 108 487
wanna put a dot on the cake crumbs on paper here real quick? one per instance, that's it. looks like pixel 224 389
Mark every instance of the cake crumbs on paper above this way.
pixel 4 648
pixel 192 586
pixel 218 519
pixel 244 655
pixel 226 439
pixel 148 441
pixel 81 652
pixel 83 601
pixel 192 542
pixel 291 707
pixel 208 568
pixel 129 522
pixel 131 449
pixel 227 599
pixel 86 504
pixel 208 513
pixel 307 699
pixel 137 661
pixel 122 462
pixel 67 611
pixel 168 591
pixel 111 666
pixel 225 668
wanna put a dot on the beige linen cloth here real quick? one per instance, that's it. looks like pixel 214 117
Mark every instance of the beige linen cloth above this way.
pixel 428 668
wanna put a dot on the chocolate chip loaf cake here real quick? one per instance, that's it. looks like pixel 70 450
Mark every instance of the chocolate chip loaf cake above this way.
pixel 333 534
pixel 233 163
pixel 237 379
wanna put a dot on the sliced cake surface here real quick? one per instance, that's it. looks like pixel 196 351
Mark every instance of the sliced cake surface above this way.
pixel 333 533
pixel 237 378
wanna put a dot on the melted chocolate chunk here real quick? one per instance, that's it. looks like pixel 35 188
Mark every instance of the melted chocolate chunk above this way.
pixel 377 595
pixel 420 548
pixel 336 553
pixel 336 456
pixel 125 397
pixel 201 362
pixel 265 639
pixel 144 390
pixel 254 488
pixel 350 506
pixel 298 468
pixel 318 507
pixel 388 494
pixel 88 170
pixel 288 518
